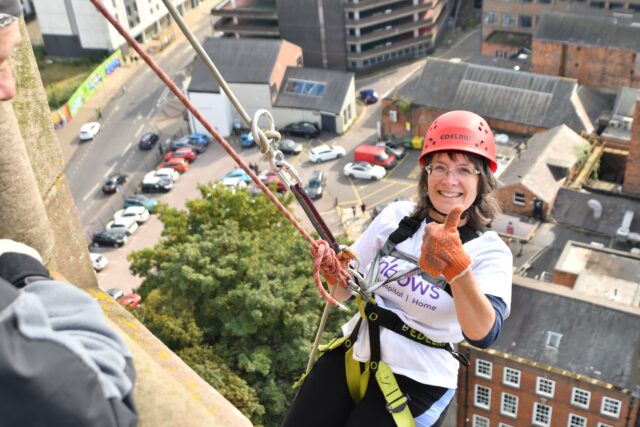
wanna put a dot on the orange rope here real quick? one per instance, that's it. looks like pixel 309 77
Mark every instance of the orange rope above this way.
pixel 225 145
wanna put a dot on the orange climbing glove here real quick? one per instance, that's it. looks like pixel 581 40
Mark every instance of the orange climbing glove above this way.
pixel 442 251
pixel 344 257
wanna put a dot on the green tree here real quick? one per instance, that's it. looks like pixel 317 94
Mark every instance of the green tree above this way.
pixel 229 288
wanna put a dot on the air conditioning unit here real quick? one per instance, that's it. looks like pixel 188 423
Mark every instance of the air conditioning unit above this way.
pixel 626 123
pixel 614 123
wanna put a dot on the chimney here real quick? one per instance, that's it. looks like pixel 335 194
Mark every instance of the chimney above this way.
pixel 632 170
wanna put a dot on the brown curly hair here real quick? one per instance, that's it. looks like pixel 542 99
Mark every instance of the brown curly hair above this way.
pixel 484 208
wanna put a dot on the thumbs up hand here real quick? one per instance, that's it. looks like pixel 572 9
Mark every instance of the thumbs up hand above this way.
pixel 442 251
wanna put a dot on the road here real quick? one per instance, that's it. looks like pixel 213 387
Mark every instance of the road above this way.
pixel 139 107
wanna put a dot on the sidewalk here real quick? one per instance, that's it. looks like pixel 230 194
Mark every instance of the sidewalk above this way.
pixel 68 135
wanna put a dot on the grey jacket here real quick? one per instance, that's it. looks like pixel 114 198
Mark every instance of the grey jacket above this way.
pixel 60 362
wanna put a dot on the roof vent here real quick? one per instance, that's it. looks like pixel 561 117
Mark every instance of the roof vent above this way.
pixel 596 207
pixel 502 138
pixel 623 231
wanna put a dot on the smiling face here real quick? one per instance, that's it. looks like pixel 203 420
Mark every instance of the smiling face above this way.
pixel 9 40
pixel 452 189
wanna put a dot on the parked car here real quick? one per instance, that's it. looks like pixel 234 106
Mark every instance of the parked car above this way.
pixel 233 183
pixel 315 187
pixel 148 140
pixel 89 130
pixel 129 225
pixel 197 144
pixel 393 147
pixel 113 182
pixel 369 96
pixel 324 152
pixel 246 140
pixel 200 139
pixel 116 294
pixel 131 300
pixel 364 170
pixel 187 153
pixel 166 173
pixel 141 200
pixel 139 213
pixel 271 177
pixel 238 173
pixel 177 164
pixel 156 184
pixel 305 129
pixel 287 146
pixel 115 238
pixel 98 261
pixel 374 155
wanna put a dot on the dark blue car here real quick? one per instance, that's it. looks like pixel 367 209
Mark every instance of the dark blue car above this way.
pixel 246 140
pixel 369 96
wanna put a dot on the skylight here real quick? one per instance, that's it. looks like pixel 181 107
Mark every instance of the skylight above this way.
pixel 304 87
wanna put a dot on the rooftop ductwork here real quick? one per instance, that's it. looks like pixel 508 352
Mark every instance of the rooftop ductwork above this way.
pixel 596 207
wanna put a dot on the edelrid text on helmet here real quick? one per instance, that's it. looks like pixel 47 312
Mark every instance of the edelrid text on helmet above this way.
pixel 462 131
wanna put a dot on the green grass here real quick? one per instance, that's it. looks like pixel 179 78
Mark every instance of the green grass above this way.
pixel 62 77
pixel 511 39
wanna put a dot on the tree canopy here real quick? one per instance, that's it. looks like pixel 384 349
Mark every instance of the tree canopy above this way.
pixel 229 288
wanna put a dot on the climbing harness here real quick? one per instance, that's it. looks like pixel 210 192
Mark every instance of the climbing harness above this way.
pixel 397 403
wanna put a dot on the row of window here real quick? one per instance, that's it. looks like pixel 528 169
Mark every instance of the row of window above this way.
pixel 572 421
pixel 418 50
pixel 544 387
pixel 542 413
pixel 508 20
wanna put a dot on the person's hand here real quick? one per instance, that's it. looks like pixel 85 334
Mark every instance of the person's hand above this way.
pixel 344 257
pixel 442 251
pixel 20 264
pixel 7 245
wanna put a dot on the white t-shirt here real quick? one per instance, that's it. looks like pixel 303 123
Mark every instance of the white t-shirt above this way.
pixel 421 305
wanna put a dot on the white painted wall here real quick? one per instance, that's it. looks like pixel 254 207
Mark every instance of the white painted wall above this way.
pixel 52 17
pixel 215 108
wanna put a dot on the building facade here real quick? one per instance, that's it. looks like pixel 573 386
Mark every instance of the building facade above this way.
pixel 508 25
pixel 555 364
pixel 354 35
pixel 76 28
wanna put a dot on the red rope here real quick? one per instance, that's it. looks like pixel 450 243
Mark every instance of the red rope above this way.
pixel 225 145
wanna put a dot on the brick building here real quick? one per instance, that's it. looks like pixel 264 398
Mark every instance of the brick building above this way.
pixel 509 25
pixel 530 183
pixel 601 52
pixel 511 101
pixel 632 171
pixel 563 359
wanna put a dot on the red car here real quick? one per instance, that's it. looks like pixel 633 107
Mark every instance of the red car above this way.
pixel 269 177
pixel 187 153
pixel 131 300
pixel 177 164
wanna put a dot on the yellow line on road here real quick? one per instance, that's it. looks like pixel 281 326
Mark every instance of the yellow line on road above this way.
pixel 415 173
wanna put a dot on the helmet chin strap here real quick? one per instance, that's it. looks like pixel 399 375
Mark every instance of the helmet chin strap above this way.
pixel 444 215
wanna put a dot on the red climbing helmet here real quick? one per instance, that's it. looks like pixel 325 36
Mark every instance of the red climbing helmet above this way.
pixel 460 131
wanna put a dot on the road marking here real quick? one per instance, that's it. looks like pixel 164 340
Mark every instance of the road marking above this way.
pixel 384 188
pixel 151 112
pixel 415 172
pixel 139 130
pixel 126 149
pixel 93 189
pixel 110 169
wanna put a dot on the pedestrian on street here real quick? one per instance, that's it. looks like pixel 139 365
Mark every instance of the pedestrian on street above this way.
pixel 363 208
pixel 353 210
pixel 98 113
pixel 428 284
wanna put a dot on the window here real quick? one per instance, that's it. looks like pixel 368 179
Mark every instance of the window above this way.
pixel 597 4
pixel 545 387
pixel 553 339
pixel 580 398
pixel 525 21
pixel 504 425
pixel 490 18
pixel 576 421
pixel 482 397
pixel 519 199
pixel 304 87
pixel 610 407
pixel 603 425
pixel 483 368
pixel 541 415
pixel 507 20
pixel 393 116
pixel 479 421
pixel 509 405
pixel 545 1
pixel 511 377
pixel 616 5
